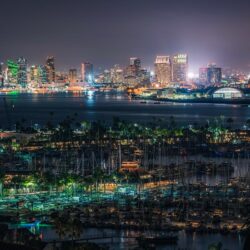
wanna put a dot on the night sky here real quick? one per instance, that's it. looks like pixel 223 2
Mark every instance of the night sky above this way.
pixel 107 32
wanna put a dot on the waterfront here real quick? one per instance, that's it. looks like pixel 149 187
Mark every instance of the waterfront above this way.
pixel 125 177
pixel 194 242
pixel 37 108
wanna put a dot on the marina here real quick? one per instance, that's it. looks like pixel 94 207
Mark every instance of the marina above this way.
pixel 152 182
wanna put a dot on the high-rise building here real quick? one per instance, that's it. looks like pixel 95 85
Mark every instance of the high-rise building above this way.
pixel 72 75
pixel 38 74
pixel 42 71
pixel 163 70
pixel 22 72
pixel 106 76
pixel 203 75
pixel 87 72
pixel 214 74
pixel 34 74
pixel 116 74
pixel 179 68
pixel 50 67
pixel 134 66
pixel 62 77
pixel 210 75
pixel 1 75
pixel 12 71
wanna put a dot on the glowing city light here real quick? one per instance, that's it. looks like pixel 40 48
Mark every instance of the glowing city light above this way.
pixel 191 75
pixel 89 78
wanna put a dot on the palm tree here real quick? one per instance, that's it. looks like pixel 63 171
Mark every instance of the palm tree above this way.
pixel 247 240
pixel 67 225
pixel 49 180
pixel 2 178
pixel 88 182
pixel 248 123
pixel 60 226
pixel 215 246
pixel 98 177
pixel 75 228
pixel 230 121
pixel 17 181
pixel 30 182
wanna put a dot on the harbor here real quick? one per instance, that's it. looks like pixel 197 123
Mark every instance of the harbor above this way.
pixel 129 182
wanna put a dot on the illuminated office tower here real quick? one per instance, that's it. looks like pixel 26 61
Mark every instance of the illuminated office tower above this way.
pixel 87 72
pixel 214 74
pixel 1 75
pixel 211 75
pixel 38 74
pixel 34 74
pixel 179 68
pixel 42 71
pixel 50 67
pixel 72 75
pixel 163 70
pixel 62 77
pixel 116 74
pixel 203 75
pixel 106 76
pixel 12 71
pixel 22 72
pixel 134 66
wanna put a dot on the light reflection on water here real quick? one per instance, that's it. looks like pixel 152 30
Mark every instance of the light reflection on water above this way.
pixel 97 106
pixel 37 108
pixel 191 242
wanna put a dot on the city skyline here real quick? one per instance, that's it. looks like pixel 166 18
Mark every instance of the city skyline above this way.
pixel 167 72
pixel 89 32
pixel 125 124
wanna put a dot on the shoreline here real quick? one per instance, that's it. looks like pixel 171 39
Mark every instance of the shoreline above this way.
pixel 245 101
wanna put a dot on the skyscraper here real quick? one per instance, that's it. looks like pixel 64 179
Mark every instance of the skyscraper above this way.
pixel 22 72
pixel 203 75
pixel 163 70
pixel 34 74
pixel 1 75
pixel 12 71
pixel 179 68
pixel 214 74
pixel 1 68
pixel 50 68
pixel 87 72
pixel 135 66
pixel 72 75
pixel 210 75
pixel 42 71
pixel 116 74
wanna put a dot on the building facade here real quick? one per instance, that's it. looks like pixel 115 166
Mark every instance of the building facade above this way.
pixel 163 70
pixel 1 75
pixel 50 68
pixel 211 75
pixel 214 74
pixel 134 67
pixel 34 74
pixel 87 72
pixel 180 68
pixel 12 71
pixel 117 74
pixel 72 75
